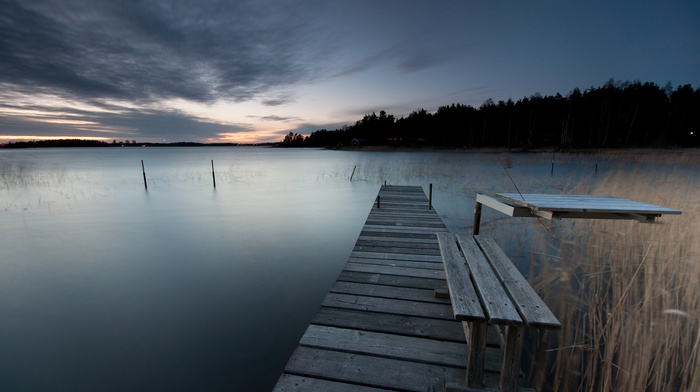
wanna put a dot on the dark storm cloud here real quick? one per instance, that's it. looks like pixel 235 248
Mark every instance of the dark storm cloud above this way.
pixel 151 50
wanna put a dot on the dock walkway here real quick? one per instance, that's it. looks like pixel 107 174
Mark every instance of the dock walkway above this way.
pixel 381 326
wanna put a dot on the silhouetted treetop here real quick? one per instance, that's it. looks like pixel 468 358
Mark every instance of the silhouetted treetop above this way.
pixel 617 114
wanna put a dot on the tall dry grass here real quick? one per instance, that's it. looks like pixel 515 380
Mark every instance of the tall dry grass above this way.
pixel 627 293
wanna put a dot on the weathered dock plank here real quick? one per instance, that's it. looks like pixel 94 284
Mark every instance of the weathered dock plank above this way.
pixel 381 327
pixel 389 306
pixel 393 270
pixel 391 280
pixel 292 383
pixel 379 248
pixel 381 291
pixel 440 330
pixel 377 371
pixel 395 256
pixel 398 263
pixel 394 240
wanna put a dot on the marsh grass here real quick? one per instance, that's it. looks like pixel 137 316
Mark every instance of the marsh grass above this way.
pixel 627 293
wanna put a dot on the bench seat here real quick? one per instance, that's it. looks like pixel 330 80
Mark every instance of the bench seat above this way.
pixel 530 306
pixel 486 288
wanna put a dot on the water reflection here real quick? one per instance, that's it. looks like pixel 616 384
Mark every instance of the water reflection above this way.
pixel 106 286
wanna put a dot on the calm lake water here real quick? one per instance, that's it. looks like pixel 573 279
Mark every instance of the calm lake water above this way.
pixel 107 286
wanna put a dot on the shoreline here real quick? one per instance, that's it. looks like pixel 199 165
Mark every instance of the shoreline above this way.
pixel 654 155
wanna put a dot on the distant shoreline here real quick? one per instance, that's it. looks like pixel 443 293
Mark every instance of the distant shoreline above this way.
pixel 658 155
pixel 686 155
pixel 100 144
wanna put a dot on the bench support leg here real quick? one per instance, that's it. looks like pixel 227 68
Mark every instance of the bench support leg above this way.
pixel 510 368
pixel 476 339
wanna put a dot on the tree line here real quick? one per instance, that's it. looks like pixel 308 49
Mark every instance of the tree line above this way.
pixel 617 114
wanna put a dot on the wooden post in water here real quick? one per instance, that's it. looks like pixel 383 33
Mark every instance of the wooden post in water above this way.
pixel 477 219
pixel 430 200
pixel 551 173
pixel 596 164
pixel 213 177
pixel 143 169
pixel 353 172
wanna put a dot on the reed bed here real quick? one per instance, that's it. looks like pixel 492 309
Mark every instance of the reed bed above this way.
pixel 627 293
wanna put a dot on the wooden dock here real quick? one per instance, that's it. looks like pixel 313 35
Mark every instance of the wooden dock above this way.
pixel 382 327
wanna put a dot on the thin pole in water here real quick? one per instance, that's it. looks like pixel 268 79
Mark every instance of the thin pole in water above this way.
pixel 143 169
pixel 477 219
pixel 551 173
pixel 353 172
pixel 596 164
pixel 213 177
pixel 430 201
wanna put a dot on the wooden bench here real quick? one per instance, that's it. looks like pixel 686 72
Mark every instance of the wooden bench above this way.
pixel 486 288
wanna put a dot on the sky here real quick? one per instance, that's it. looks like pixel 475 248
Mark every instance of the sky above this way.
pixel 253 71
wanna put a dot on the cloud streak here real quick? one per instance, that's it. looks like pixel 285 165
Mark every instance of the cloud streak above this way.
pixel 118 122
pixel 276 118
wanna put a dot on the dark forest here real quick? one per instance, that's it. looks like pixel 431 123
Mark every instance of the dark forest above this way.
pixel 617 114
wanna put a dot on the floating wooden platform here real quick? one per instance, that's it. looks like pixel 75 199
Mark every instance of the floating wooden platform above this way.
pixel 381 327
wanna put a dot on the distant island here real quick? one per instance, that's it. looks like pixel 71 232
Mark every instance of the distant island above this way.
pixel 616 115
pixel 115 143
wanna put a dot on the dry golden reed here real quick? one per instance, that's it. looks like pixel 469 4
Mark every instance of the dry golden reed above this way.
pixel 627 293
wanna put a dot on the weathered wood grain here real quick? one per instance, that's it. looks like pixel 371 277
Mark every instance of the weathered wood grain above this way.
pixel 405 229
pixel 387 345
pixel 381 372
pixel 395 346
pixel 464 299
pixel 398 263
pixel 440 330
pixel 388 305
pixel 476 356
pixel 397 239
pixel 391 280
pixel 395 243
pixel 391 270
pixel 294 383
pixel 491 292
pixel 584 203
pixel 395 234
pixel 375 290
pixel 530 306
pixel 395 256
pixel 511 359
pixel 401 250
